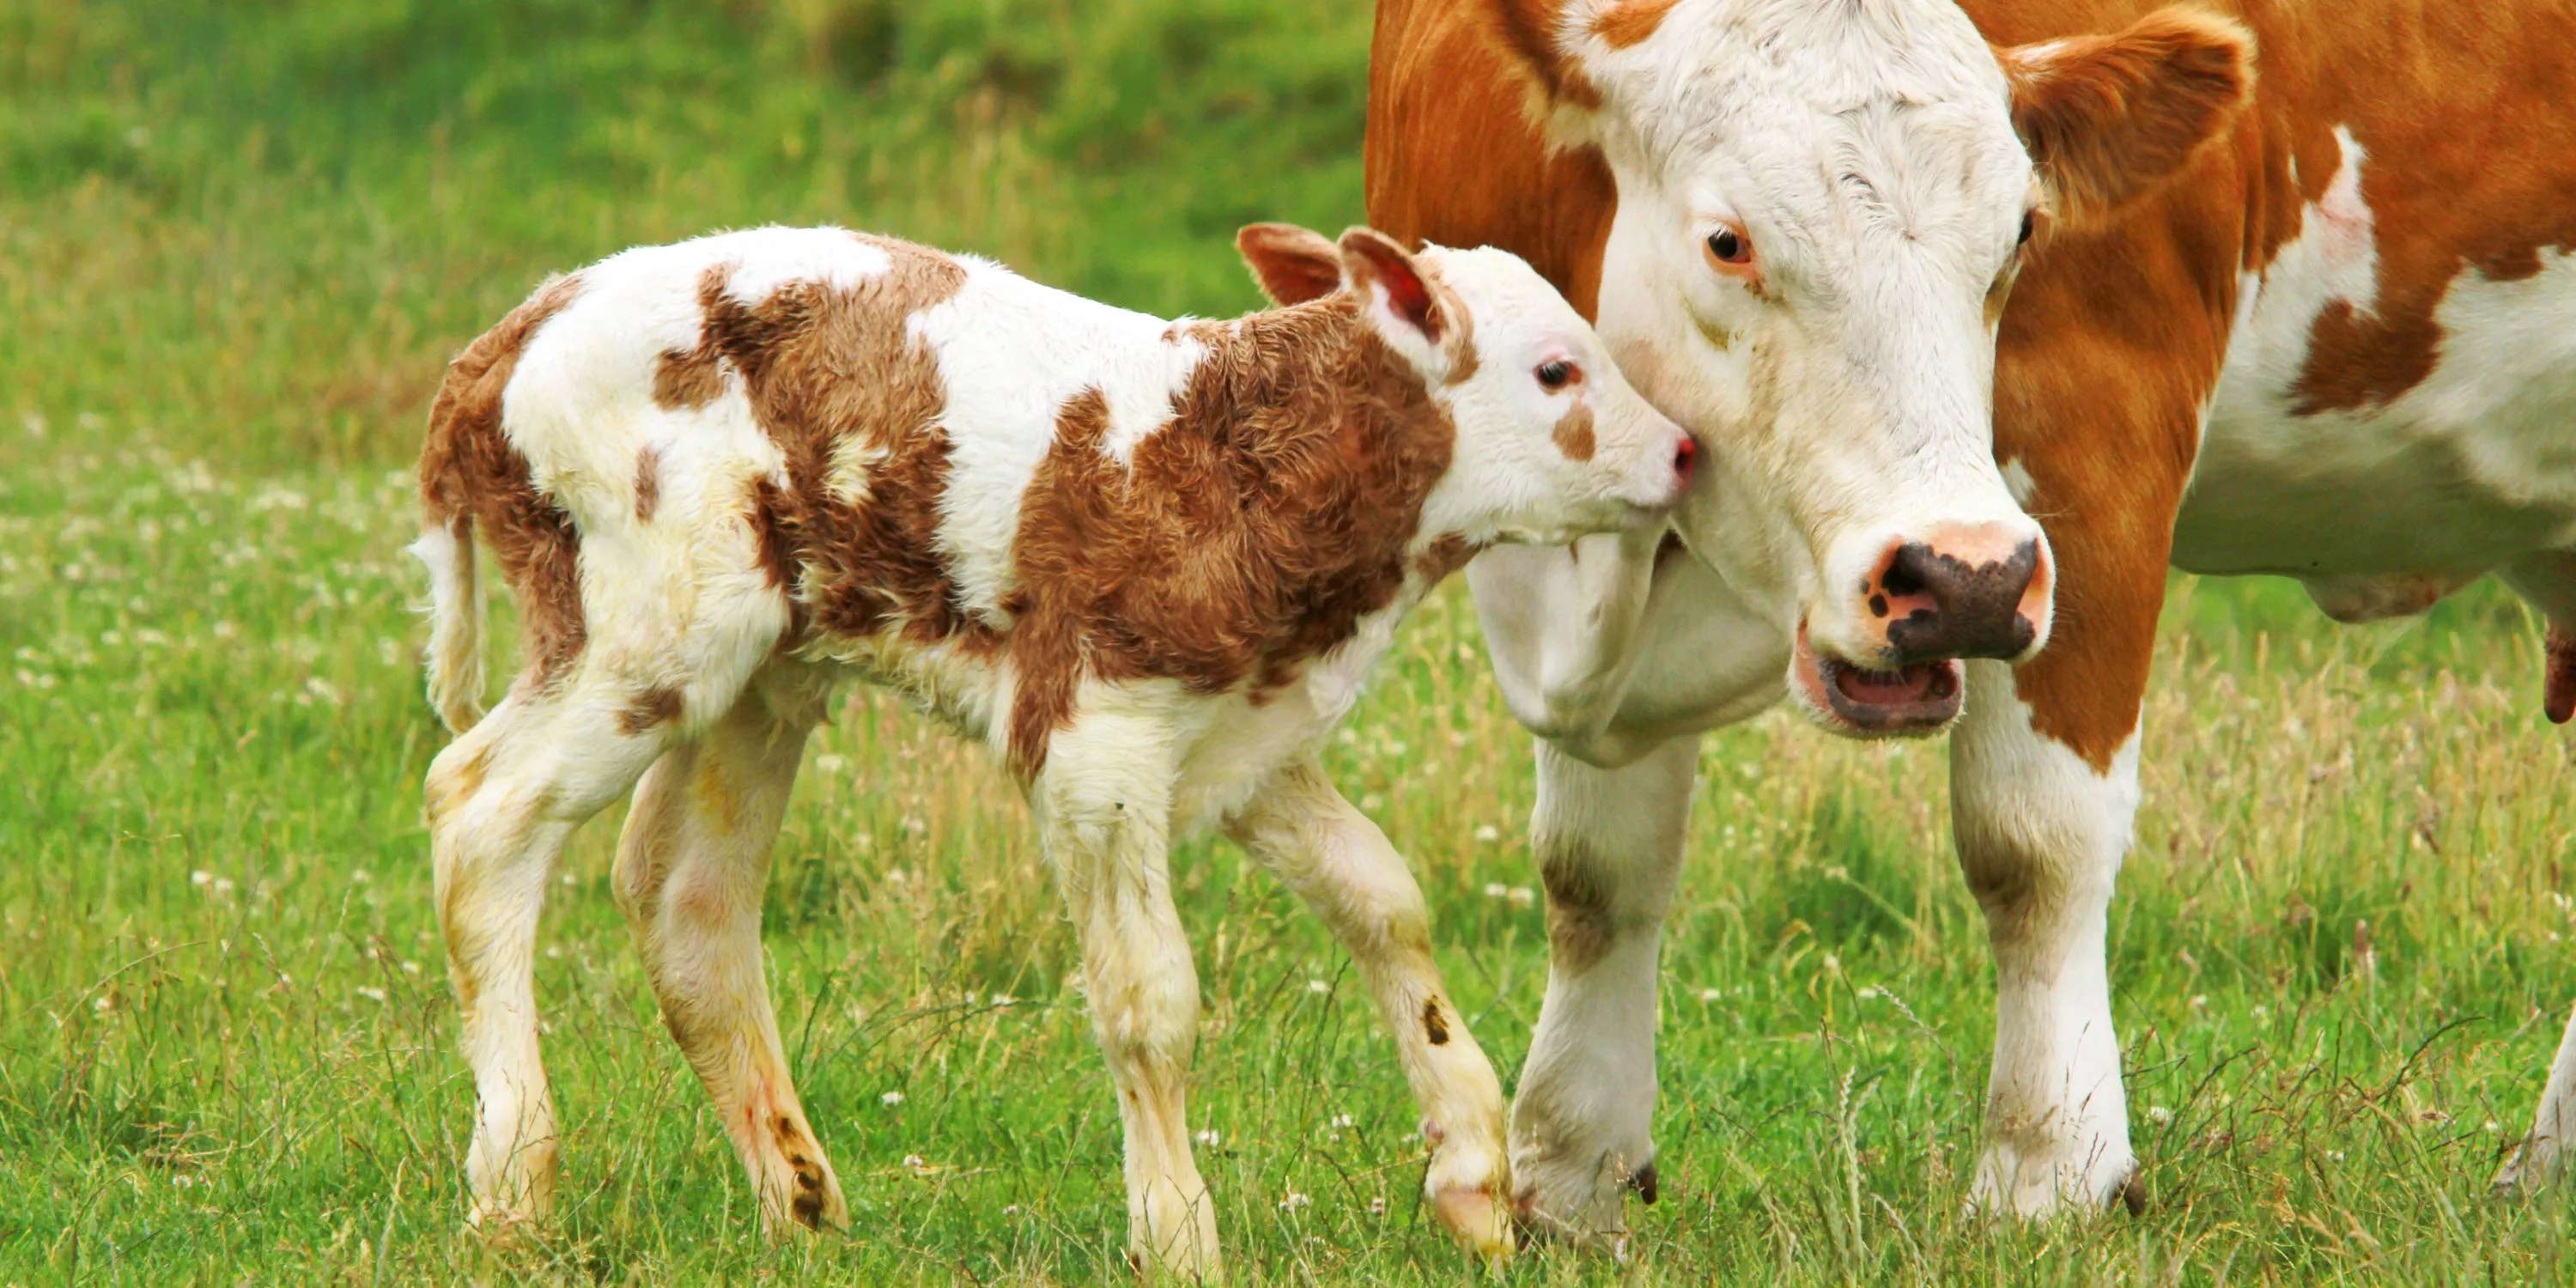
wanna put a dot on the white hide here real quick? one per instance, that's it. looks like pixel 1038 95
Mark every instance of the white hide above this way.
pixel 2458 475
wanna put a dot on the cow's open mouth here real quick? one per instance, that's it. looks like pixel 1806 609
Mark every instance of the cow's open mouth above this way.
pixel 1918 699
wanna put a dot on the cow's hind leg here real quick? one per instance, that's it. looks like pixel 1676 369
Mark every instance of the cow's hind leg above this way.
pixel 502 800
pixel 692 867
pixel 1609 845
pixel 1344 869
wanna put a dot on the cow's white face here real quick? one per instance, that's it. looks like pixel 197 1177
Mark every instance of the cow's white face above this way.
pixel 1821 207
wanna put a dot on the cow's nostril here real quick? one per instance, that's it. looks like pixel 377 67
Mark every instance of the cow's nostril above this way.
pixel 1685 457
pixel 1902 578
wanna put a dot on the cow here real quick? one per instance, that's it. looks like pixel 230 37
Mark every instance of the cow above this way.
pixel 2288 293
pixel 1148 564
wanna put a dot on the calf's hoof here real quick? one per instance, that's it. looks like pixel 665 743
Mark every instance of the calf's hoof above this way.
pixel 1479 1219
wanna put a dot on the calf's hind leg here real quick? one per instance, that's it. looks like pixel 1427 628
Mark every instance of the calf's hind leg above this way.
pixel 692 866
pixel 502 800
pixel 1342 866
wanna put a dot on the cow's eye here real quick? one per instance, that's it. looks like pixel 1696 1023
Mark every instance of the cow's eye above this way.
pixel 1727 246
pixel 1558 374
pixel 2026 221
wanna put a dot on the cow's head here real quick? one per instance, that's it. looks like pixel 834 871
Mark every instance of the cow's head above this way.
pixel 1821 208
pixel 1551 442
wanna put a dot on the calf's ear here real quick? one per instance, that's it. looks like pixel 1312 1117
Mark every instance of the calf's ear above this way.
pixel 2109 117
pixel 1293 264
pixel 1404 305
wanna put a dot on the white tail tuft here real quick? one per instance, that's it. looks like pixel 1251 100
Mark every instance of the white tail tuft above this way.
pixel 455 622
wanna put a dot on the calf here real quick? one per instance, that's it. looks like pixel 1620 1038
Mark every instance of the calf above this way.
pixel 1147 563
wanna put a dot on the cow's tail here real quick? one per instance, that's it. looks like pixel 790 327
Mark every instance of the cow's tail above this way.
pixel 455 659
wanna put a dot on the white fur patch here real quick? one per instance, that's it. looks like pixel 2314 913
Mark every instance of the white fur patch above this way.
pixel 1011 354
pixel 2456 475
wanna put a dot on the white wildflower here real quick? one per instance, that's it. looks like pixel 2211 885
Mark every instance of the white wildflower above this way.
pixel 892 1098
pixel 1487 834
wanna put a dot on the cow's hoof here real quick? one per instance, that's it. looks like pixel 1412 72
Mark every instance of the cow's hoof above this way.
pixel 2011 1185
pixel 2525 1172
pixel 1480 1220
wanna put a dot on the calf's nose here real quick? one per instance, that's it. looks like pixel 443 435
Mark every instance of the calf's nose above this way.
pixel 1977 590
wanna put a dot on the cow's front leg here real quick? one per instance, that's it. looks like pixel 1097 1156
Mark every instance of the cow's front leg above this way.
pixel 2044 769
pixel 1344 868
pixel 1104 804
pixel 1609 846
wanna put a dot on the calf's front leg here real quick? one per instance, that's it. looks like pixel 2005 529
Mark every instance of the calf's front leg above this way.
pixel 1342 866
pixel 1104 807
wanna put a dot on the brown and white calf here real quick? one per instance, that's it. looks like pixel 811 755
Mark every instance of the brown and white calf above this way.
pixel 2290 291
pixel 1148 563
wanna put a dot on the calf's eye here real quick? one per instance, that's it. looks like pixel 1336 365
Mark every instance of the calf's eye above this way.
pixel 2024 239
pixel 1557 375
pixel 1728 246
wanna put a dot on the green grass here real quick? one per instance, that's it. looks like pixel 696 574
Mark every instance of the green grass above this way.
pixel 226 1048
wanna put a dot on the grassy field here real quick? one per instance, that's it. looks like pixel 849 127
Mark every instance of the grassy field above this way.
pixel 240 241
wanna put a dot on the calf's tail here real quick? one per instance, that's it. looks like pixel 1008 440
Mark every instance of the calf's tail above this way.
pixel 455 659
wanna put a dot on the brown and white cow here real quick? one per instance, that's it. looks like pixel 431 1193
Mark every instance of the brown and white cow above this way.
pixel 2318 321
pixel 1148 563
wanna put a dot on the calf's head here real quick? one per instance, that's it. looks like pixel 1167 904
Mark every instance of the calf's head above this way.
pixel 1551 441
pixel 1822 205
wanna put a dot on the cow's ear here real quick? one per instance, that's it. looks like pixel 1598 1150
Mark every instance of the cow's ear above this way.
pixel 2109 117
pixel 1294 264
pixel 1401 302
pixel 1532 33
